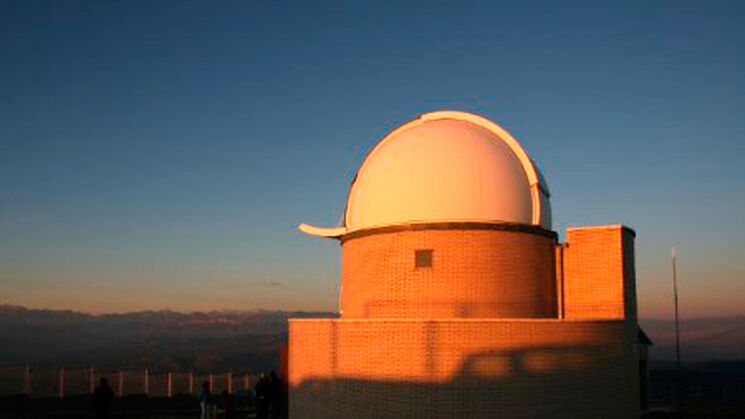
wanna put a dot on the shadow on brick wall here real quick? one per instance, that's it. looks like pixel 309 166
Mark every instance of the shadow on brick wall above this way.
pixel 558 381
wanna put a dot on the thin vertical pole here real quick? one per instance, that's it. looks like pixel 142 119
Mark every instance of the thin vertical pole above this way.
pixel 677 322
pixel 211 386
pixel 230 382
pixel 191 382
pixel 245 383
pixel 560 275
pixel 92 380
pixel 147 382
pixel 121 383
pixel 170 384
pixel 61 383
pixel 27 384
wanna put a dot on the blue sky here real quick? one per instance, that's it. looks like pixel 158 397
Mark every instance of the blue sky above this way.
pixel 160 154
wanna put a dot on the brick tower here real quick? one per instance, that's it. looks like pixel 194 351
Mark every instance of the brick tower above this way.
pixel 458 300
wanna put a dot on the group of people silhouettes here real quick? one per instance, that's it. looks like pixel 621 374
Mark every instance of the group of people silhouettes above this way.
pixel 269 397
pixel 268 394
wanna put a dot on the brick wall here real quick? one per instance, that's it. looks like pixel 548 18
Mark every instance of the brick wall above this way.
pixel 461 367
pixel 599 278
pixel 502 324
pixel 474 273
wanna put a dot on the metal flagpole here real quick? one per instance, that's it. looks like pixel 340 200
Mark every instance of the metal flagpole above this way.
pixel 677 325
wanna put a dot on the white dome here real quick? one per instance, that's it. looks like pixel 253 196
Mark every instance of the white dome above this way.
pixel 445 167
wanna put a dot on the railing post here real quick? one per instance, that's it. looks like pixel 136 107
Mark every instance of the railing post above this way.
pixel 170 383
pixel 230 382
pixel 27 383
pixel 191 382
pixel 121 383
pixel 61 383
pixel 147 383
pixel 211 386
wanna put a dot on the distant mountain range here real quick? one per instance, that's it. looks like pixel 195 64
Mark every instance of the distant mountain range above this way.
pixel 159 340
pixel 718 338
pixel 246 340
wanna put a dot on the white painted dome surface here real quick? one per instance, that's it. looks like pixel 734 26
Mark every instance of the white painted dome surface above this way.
pixel 445 167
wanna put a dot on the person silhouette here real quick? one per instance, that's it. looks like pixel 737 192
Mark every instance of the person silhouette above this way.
pixel 228 403
pixel 205 400
pixel 101 399
pixel 262 391
pixel 276 396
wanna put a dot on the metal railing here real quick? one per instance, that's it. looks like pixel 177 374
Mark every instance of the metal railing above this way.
pixel 19 380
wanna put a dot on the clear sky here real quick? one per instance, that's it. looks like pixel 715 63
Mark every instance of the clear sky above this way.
pixel 160 154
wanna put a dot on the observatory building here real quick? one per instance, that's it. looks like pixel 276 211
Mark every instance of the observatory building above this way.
pixel 457 299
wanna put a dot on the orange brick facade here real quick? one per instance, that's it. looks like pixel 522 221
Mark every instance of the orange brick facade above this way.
pixel 504 323
pixel 461 368
pixel 599 273
pixel 474 273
